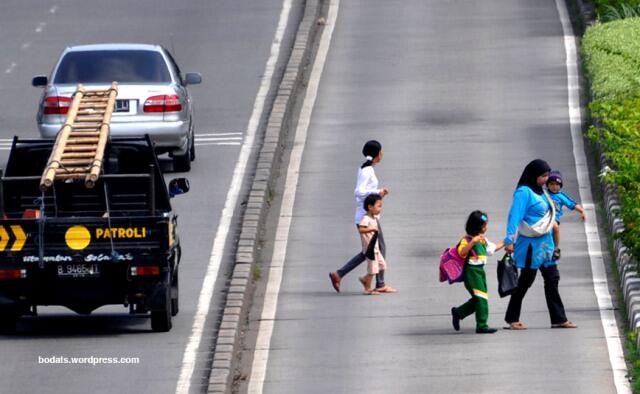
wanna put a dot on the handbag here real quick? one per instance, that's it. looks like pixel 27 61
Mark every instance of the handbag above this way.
pixel 370 253
pixel 507 276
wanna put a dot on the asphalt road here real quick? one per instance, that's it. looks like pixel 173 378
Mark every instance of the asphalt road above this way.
pixel 228 41
pixel 462 96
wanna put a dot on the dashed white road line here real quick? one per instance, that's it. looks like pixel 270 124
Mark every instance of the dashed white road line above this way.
pixel 53 9
pixel 217 134
pixel 40 27
pixel 216 139
pixel 218 143
pixel 600 285
pixel 207 289
pixel 267 320
pixel 11 67
pixel 26 45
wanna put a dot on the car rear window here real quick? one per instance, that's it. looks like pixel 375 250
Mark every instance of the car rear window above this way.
pixel 107 66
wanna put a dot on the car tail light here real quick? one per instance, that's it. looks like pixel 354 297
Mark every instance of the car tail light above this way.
pixel 13 274
pixel 163 103
pixel 56 105
pixel 145 271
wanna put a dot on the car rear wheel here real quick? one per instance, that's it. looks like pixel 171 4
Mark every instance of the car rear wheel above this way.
pixel 182 163
pixel 193 146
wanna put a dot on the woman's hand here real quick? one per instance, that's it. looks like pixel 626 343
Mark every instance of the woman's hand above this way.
pixel 508 248
pixel 384 191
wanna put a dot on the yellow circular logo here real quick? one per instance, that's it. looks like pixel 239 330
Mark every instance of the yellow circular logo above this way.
pixel 77 237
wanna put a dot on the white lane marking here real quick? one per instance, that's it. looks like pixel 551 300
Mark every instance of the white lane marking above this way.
pixel 206 292
pixel 53 9
pixel 267 320
pixel 204 139
pixel 11 67
pixel 40 27
pixel 218 143
pixel 600 285
pixel 26 45
pixel 6 144
pixel 217 134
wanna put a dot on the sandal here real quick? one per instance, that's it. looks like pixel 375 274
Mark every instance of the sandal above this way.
pixel 516 325
pixel 386 289
pixel 567 324
pixel 371 292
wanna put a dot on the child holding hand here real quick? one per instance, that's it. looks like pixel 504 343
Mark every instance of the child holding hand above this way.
pixel 475 248
pixel 367 227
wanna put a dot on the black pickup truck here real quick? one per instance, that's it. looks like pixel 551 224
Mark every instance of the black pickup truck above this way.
pixel 82 248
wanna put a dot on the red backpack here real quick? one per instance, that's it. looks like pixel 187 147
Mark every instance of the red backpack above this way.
pixel 452 264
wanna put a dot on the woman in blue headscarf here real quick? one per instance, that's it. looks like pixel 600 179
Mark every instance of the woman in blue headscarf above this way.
pixel 530 239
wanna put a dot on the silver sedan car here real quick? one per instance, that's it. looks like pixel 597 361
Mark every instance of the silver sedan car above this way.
pixel 152 94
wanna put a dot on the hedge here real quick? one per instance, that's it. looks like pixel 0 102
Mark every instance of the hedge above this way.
pixel 611 55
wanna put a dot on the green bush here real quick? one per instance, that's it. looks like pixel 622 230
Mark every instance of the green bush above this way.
pixel 612 58
pixel 611 54
pixel 620 140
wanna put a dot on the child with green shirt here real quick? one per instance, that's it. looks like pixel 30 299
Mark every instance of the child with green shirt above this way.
pixel 475 248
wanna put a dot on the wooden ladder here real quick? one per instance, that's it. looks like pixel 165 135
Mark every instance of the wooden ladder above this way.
pixel 80 143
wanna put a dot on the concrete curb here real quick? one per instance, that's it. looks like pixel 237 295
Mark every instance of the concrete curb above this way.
pixel 227 340
pixel 627 265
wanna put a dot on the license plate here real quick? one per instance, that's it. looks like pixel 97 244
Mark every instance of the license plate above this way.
pixel 122 105
pixel 78 270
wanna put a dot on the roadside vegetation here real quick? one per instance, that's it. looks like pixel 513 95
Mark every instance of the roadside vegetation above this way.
pixel 609 10
pixel 611 53
pixel 611 60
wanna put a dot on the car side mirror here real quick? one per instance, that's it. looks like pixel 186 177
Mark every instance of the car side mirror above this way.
pixel 178 186
pixel 39 81
pixel 192 78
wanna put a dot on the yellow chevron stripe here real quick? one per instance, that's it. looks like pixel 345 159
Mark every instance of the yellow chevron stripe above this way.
pixel 21 238
pixel 4 238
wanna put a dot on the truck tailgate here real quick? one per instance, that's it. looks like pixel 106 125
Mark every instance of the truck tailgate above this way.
pixel 82 239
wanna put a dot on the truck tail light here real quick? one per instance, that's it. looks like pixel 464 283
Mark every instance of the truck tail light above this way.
pixel 56 105
pixel 13 274
pixel 163 103
pixel 145 270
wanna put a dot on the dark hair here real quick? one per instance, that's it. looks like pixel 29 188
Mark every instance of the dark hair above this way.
pixel 371 200
pixel 371 148
pixel 531 173
pixel 476 220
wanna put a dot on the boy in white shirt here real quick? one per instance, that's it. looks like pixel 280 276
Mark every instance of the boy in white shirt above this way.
pixel 367 227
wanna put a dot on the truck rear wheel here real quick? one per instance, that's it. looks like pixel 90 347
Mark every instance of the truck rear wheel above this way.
pixel 8 320
pixel 175 295
pixel 161 319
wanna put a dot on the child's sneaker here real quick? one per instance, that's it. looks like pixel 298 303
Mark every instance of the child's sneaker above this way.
pixel 556 254
pixel 455 319
pixel 486 330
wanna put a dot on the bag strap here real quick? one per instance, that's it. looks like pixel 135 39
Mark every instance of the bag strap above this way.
pixel 471 251
pixel 552 205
